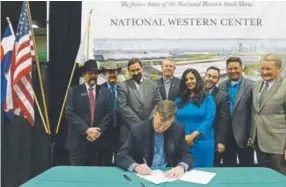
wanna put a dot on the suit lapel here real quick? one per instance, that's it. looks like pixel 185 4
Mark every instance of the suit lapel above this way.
pixel 172 88
pixel 105 85
pixel 98 91
pixel 255 95
pixel 270 92
pixel 224 85
pixel 240 92
pixel 146 90
pixel 162 88
pixel 135 91
pixel 214 92
pixel 84 95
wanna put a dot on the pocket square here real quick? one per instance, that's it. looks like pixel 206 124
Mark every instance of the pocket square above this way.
pixel 83 94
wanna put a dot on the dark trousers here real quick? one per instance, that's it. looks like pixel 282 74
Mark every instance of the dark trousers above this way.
pixel 114 143
pixel 217 158
pixel 90 155
pixel 232 151
pixel 269 160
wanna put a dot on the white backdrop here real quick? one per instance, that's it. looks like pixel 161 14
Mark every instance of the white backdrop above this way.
pixel 152 30
pixel 186 19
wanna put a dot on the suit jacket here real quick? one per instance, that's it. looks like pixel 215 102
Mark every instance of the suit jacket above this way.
pixel 114 130
pixel 77 113
pixel 222 120
pixel 131 107
pixel 269 119
pixel 140 144
pixel 241 116
pixel 173 91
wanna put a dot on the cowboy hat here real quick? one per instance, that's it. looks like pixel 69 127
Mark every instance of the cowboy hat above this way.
pixel 90 65
pixel 110 66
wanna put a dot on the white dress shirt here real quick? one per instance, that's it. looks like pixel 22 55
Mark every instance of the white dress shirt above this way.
pixel 87 87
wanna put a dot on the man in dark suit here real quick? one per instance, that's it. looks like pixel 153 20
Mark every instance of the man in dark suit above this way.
pixel 137 98
pixel 222 120
pixel 168 84
pixel 111 71
pixel 157 143
pixel 239 90
pixel 88 112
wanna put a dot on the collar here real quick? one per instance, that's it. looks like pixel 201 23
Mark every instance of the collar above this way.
pixel 87 86
pixel 270 83
pixel 211 90
pixel 141 80
pixel 109 85
pixel 234 83
pixel 168 80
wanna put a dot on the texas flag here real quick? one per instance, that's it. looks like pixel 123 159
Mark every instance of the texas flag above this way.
pixel 7 45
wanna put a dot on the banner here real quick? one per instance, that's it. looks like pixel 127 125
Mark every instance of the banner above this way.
pixel 195 34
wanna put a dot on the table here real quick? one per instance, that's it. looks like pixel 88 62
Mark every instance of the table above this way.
pixel 71 176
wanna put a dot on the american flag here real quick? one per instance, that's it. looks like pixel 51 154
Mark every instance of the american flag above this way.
pixel 22 68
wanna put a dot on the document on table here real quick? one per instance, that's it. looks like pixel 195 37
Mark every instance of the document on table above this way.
pixel 156 177
pixel 197 176
pixel 193 176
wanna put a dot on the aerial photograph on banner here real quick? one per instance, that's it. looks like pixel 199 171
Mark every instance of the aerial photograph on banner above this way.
pixel 194 34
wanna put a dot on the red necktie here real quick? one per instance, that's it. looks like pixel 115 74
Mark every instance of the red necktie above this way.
pixel 91 105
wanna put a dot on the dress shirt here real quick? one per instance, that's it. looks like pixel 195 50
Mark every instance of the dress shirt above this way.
pixel 137 85
pixel 167 85
pixel 94 87
pixel 233 89
pixel 159 159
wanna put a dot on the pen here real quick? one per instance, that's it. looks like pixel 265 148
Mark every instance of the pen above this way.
pixel 127 178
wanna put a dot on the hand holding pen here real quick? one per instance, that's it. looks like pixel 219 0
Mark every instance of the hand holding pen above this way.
pixel 143 169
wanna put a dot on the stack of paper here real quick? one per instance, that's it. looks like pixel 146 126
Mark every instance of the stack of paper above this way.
pixel 193 176
pixel 197 176
pixel 157 177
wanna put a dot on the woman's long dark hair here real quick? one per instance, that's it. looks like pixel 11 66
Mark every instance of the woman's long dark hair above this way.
pixel 184 93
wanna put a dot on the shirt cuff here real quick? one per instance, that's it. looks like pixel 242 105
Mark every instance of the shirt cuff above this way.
pixel 185 166
pixel 132 167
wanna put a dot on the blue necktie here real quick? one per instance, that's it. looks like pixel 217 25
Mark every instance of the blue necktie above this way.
pixel 114 104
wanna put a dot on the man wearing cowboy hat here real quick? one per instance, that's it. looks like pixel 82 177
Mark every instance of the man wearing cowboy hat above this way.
pixel 88 112
pixel 111 71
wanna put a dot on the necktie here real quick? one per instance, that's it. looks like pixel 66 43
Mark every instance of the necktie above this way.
pixel 91 105
pixel 265 88
pixel 114 104
pixel 140 90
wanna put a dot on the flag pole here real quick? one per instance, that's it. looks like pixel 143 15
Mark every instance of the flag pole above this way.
pixel 38 69
pixel 10 25
pixel 71 77
pixel 41 114
pixel 88 33
pixel 65 99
